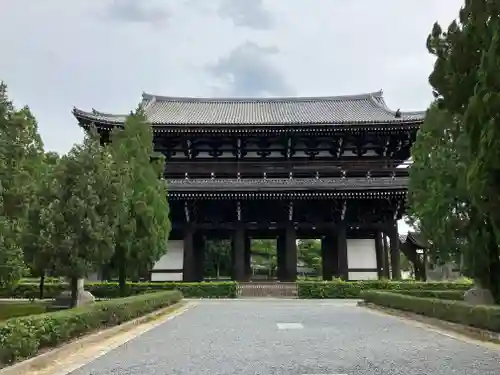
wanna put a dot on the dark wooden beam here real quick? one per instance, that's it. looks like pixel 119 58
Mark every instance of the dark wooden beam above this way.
pixel 343 272
pixel 238 253
pixel 189 271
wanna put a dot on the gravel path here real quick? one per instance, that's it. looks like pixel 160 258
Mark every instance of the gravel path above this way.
pixel 322 337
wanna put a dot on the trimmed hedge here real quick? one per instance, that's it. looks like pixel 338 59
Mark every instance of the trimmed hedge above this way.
pixel 47 280
pixel 31 290
pixel 450 295
pixel 107 290
pixel 353 289
pixel 24 337
pixel 229 289
pixel 484 317
pixel 12 309
pixel 189 290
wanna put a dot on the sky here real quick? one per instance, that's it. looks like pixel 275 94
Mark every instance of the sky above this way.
pixel 103 54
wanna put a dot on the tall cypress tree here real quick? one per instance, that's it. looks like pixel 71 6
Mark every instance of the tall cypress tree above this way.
pixel 142 236
pixel 461 145
pixel 482 129
pixel 438 199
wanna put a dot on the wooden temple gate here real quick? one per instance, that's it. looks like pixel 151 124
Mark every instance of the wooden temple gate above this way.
pixel 284 168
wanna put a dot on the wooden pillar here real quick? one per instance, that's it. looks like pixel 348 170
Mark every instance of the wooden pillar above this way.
pixel 248 258
pixel 379 251
pixel 290 253
pixel 387 264
pixel 395 253
pixel 328 255
pixel 281 257
pixel 343 267
pixel 238 253
pixel 188 271
pixel 199 256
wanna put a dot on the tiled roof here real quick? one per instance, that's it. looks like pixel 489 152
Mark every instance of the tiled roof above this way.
pixel 280 184
pixel 348 109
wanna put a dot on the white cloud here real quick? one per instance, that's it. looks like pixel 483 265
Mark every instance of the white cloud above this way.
pixel 247 13
pixel 144 11
pixel 247 71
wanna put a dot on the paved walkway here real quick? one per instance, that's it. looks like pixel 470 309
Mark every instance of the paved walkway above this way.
pixel 221 337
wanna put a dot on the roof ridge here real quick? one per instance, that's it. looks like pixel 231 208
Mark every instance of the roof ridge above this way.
pixel 362 96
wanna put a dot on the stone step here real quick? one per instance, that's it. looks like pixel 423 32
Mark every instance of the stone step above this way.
pixel 267 289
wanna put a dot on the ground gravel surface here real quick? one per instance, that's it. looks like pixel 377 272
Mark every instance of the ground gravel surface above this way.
pixel 233 337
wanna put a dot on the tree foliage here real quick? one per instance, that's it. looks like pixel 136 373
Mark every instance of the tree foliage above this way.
pixel 11 253
pixel 142 235
pixel 21 152
pixel 79 224
pixel 264 254
pixel 36 252
pixel 218 260
pixel 64 214
pixel 309 252
pixel 438 197
pixel 454 180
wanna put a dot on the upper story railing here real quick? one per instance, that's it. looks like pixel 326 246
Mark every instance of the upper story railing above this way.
pixel 283 169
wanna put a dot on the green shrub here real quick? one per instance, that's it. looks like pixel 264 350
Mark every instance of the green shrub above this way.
pixel 485 317
pixel 24 337
pixel 353 289
pixel 31 290
pixel 47 280
pixel 451 295
pixel 14 309
pixel 110 289
pixel 189 290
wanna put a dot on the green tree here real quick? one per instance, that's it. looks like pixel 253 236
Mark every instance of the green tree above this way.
pixel 309 251
pixel 218 260
pixel 482 129
pixel 438 198
pixel 11 254
pixel 37 253
pixel 465 84
pixel 265 254
pixel 142 236
pixel 21 152
pixel 78 227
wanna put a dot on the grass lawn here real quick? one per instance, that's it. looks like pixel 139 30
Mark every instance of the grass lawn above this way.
pixel 12 309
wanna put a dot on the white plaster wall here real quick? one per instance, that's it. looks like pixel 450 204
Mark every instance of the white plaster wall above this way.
pixel 361 254
pixel 363 276
pixel 163 276
pixel 172 260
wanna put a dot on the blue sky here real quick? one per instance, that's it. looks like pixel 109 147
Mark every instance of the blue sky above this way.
pixel 104 53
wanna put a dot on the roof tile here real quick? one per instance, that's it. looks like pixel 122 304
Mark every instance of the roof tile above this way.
pixel 350 109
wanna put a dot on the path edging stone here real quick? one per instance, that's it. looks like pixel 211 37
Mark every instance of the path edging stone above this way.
pixel 471 332
pixel 43 360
